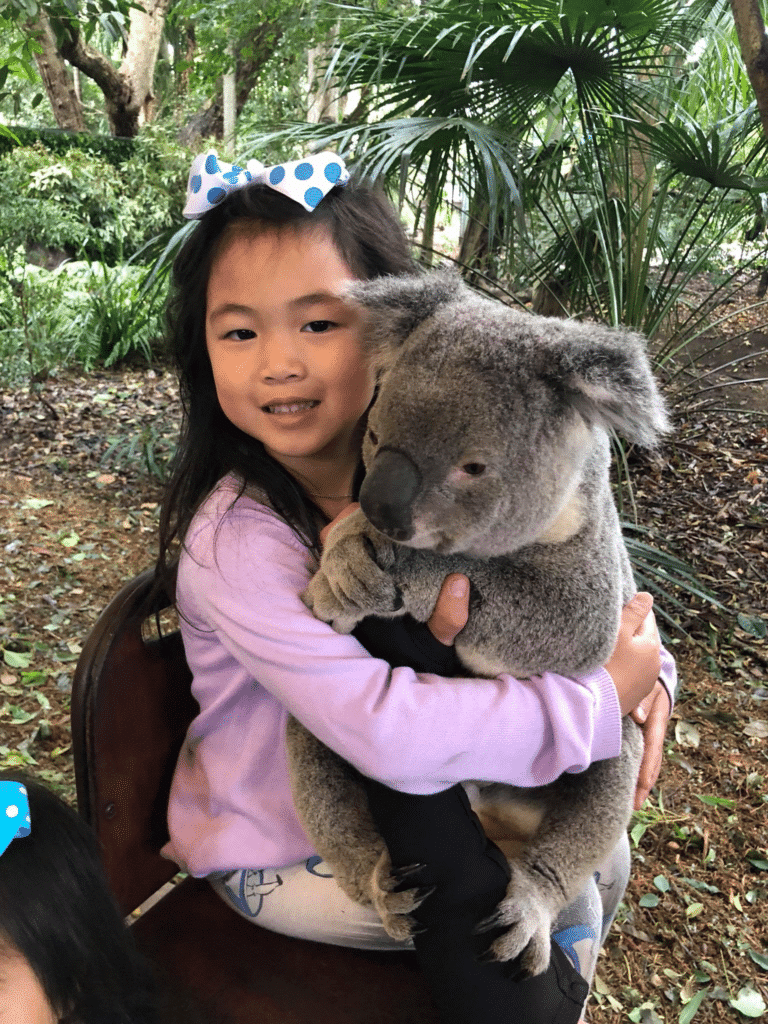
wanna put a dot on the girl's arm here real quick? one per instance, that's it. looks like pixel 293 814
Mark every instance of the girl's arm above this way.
pixel 238 591
pixel 652 714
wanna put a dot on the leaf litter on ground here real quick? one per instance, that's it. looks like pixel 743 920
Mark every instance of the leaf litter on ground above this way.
pixel 79 500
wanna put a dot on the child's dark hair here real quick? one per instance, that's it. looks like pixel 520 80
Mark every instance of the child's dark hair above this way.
pixel 57 911
pixel 368 236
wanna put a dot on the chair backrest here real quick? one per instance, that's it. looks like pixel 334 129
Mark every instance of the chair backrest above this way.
pixel 131 706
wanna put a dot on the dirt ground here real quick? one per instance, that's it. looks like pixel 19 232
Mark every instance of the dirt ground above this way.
pixel 78 515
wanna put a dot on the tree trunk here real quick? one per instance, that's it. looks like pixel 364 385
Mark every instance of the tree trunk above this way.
pixel 138 67
pixel 128 94
pixel 324 102
pixel 751 32
pixel 57 80
pixel 208 121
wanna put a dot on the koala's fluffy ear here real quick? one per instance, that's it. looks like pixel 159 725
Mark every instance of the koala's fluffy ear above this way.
pixel 394 306
pixel 607 377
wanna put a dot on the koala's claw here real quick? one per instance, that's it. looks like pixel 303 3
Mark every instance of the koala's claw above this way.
pixel 529 915
pixel 393 907
pixel 351 583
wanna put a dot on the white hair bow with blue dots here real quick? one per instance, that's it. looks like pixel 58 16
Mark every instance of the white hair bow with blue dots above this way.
pixel 306 181
pixel 14 813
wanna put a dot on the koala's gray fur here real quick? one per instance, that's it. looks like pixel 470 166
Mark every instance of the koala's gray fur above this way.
pixel 487 454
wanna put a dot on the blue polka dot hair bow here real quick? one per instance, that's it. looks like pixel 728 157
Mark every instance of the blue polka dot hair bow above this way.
pixel 14 813
pixel 307 181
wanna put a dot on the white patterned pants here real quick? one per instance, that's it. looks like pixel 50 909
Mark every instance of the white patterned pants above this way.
pixel 302 900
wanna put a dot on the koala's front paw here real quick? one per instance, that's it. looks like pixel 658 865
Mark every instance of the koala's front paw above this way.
pixel 350 583
pixel 393 907
pixel 529 910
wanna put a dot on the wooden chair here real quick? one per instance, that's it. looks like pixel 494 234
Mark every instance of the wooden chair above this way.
pixel 131 706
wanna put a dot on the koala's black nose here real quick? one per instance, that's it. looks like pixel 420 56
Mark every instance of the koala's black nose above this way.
pixel 388 491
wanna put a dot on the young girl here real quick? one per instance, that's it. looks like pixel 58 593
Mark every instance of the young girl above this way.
pixel 276 383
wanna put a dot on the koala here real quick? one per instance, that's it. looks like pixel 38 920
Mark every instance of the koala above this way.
pixel 487 453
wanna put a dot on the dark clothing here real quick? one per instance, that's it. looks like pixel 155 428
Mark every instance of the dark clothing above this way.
pixel 467 872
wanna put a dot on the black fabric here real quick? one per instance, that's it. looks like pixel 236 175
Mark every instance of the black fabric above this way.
pixel 467 873
pixel 404 641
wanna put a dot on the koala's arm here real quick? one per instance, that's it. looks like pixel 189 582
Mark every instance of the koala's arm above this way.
pixel 354 579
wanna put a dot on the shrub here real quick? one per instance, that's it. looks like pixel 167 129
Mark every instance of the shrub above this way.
pixel 59 142
pixel 79 314
pixel 105 212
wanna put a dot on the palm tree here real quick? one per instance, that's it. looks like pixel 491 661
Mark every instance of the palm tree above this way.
pixel 593 156
pixel 572 132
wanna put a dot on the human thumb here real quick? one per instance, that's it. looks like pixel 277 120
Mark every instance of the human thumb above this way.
pixel 451 610
pixel 636 610
pixel 346 511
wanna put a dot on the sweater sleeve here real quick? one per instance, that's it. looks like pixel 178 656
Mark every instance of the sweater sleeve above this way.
pixel 239 584
pixel 668 676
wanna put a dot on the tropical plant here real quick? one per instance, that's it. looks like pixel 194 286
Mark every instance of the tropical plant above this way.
pixel 577 136
pixel 80 314
pixel 123 317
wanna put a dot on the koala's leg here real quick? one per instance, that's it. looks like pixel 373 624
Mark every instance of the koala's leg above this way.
pixel 332 807
pixel 585 817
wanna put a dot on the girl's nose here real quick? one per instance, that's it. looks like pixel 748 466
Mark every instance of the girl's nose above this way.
pixel 281 359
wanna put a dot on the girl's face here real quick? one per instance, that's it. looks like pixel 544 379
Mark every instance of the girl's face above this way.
pixel 286 350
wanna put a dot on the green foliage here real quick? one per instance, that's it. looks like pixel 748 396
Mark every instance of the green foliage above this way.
pixel 80 314
pixel 92 16
pixel 122 317
pixel 37 326
pixel 666 577
pixel 584 145
pixel 627 253
pixel 59 143
pixel 149 449
pixel 98 309
pixel 94 208
pixel 283 26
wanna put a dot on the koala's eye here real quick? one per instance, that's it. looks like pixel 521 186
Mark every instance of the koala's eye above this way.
pixel 474 468
pixel 373 438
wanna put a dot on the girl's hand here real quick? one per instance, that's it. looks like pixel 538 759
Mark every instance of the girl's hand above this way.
pixel 652 714
pixel 342 515
pixel 451 609
pixel 636 660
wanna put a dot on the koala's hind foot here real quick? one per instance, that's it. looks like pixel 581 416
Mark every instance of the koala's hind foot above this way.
pixel 530 909
pixel 332 806
pixel 394 908
pixel 375 886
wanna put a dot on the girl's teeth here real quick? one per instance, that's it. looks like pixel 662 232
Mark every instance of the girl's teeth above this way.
pixel 293 407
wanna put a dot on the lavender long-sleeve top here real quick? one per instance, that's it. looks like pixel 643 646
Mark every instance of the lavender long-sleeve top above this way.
pixel 257 653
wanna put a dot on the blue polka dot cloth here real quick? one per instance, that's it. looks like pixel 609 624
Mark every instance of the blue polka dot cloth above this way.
pixel 306 181
pixel 14 813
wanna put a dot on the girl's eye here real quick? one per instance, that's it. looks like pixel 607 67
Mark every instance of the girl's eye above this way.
pixel 241 334
pixel 318 326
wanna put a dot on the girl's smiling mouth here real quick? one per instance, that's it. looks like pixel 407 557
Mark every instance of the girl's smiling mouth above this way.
pixel 291 406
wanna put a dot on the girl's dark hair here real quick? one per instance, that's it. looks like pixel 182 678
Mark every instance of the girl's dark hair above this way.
pixel 368 236
pixel 57 911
